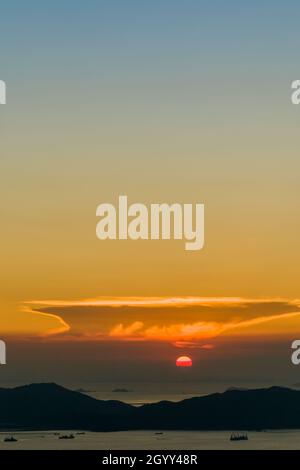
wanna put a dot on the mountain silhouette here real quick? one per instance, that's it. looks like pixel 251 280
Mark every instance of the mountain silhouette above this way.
pixel 50 406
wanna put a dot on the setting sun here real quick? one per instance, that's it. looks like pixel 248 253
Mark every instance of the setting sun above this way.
pixel 184 361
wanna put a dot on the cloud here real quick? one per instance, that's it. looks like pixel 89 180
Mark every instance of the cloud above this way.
pixel 184 331
pixel 182 321
pixel 129 332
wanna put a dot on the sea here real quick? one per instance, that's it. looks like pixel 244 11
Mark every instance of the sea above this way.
pixel 149 440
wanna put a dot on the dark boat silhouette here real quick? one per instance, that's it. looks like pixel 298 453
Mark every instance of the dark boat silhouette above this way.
pixel 238 437
pixel 10 439
pixel 67 436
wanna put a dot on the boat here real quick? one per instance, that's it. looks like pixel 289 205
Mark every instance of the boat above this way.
pixel 10 439
pixel 239 437
pixel 69 436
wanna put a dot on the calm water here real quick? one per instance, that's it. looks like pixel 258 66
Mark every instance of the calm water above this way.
pixel 170 440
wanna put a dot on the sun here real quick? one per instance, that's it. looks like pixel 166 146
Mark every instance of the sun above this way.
pixel 184 361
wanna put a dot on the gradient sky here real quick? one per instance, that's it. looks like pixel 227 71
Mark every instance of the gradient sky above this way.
pixel 165 101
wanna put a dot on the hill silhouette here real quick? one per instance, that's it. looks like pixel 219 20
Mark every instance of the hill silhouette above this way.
pixel 50 406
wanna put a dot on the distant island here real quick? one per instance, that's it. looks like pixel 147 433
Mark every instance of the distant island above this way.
pixel 49 406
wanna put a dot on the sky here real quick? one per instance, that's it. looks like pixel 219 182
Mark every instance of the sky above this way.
pixel 164 101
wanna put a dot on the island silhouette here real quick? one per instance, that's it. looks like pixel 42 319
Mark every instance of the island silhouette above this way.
pixel 48 406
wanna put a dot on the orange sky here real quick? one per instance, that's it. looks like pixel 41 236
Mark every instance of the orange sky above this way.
pixel 182 117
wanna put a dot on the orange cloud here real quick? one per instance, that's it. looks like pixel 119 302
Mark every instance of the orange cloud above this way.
pixel 129 332
pixel 188 321
pixel 186 332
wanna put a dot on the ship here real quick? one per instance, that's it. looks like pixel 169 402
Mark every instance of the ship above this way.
pixel 239 437
pixel 10 439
